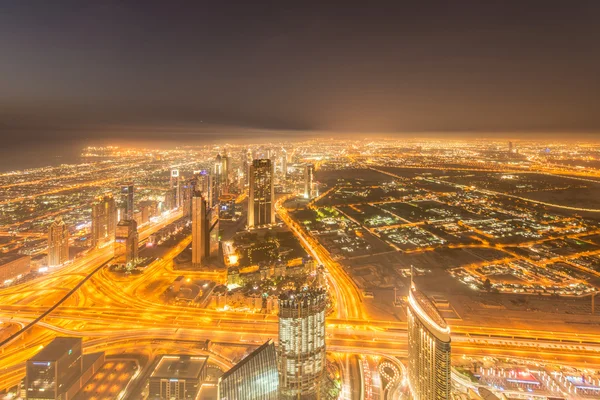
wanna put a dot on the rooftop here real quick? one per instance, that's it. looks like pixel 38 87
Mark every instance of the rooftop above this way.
pixel 9 257
pixel 180 367
pixel 427 306
pixel 57 348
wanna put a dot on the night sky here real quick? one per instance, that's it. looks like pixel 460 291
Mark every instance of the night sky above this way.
pixel 103 69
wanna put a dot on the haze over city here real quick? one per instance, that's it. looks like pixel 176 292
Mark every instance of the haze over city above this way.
pixel 299 201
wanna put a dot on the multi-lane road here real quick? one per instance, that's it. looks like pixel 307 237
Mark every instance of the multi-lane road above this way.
pixel 116 312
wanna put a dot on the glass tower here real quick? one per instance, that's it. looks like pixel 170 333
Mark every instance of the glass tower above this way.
pixel 428 349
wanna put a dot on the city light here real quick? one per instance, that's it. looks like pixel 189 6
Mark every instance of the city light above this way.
pixel 292 202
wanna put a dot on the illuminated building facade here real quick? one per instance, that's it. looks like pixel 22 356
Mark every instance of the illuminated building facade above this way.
pixel 255 377
pixel 126 244
pixel 13 266
pixel 58 243
pixel 428 349
pixel 175 184
pixel 302 343
pixel 309 182
pixel 52 371
pixel 177 377
pixel 104 220
pixel 189 188
pixel 127 202
pixel 261 198
pixel 247 162
pixel 284 162
pixel 225 169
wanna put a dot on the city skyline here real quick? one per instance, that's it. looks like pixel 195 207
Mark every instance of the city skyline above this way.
pixel 299 201
pixel 500 237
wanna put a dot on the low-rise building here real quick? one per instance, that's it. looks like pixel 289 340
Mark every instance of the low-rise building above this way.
pixel 13 266
pixel 177 377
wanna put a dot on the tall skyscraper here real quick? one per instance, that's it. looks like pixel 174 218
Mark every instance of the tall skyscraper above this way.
pixel 225 167
pixel 58 243
pixel 104 220
pixel 302 343
pixel 205 229
pixel 255 377
pixel 52 371
pixel 175 185
pixel 127 201
pixel 284 163
pixel 247 164
pixel 126 244
pixel 309 182
pixel 189 188
pixel 428 349
pixel 261 198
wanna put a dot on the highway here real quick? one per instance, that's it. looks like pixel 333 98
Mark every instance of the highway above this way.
pixel 121 313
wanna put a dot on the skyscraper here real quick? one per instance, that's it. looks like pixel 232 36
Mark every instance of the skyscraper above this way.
pixel 189 188
pixel 247 165
pixel 126 244
pixel 127 201
pixel 309 184
pixel 58 243
pixel 225 167
pixel 175 185
pixel 261 198
pixel 428 349
pixel 283 163
pixel 205 229
pixel 302 343
pixel 255 377
pixel 104 220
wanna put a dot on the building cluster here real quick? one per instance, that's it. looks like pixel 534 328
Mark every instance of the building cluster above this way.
pixel 297 368
pixel 256 273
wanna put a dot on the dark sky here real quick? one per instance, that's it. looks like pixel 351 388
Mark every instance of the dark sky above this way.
pixel 93 68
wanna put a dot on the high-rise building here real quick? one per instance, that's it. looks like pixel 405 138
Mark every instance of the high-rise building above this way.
pixel 205 229
pixel 175 185
pixel 170 202
pixel 510 147
pixel 58 243
pixel 104 220
pixel 247 165
pixel 261 198
pixel 225 167
pixel 218 170
pixel 189 188
pixel 255 377
pixel 302 343
pixel 126 244
pixel 428 349
pixel 52 371
pixel 309 182
pixel 284 162
pixel 127 202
